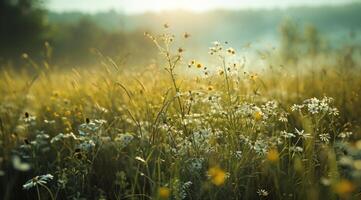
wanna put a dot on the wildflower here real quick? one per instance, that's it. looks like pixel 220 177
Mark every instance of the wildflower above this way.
pixel 325 181
pixel 283 117
pixel 140 159
pixel 287 135
pixel 325 137
pixel 238 154
pixel 217 175
pixel 87 145
pixel 210 88
pixel 262 192
pixel 61 136
pixel 313 105
pixel 49 121
pixel 164 192
pixel 56 114
pixel 221 72
pixel 334 112
pixel 260 146
pixel 124 139
pixel 191 63
pixel 346 161
pixel 90 126
pixel 196 164
pixel 296 149
pixel 302 133
pixel 231 51
pixel 253 77
pixel 25 56
pixel 344 135
pixel 166 25
pixel 273 155
pixel 296 107
pixel 180 50
pixel 199 65
pixel 344 187
pixel 18 165
pixel 29 118
pixel 258 115
pixel 37 180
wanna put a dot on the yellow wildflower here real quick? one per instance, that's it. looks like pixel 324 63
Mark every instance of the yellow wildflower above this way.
pixel 164 192
pixel 344 187
pixel 217 175
pixel 273 155
pixel 253 77
pixel 258 115
pixel 67 113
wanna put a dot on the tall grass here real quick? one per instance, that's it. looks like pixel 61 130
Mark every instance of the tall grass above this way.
pixel 288 132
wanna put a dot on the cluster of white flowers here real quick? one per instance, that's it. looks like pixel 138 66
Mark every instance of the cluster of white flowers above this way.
pixel 345 134
pixel 62 136
pixel 270 108
pixel 296 149
pixel 217 47
pixel 91 126
pixel 261 147
pixel 87 145
pixel 123 139
pixel 316 106
pixel 29 119
pixel 195 164
pixel 180 189
pixel 287 135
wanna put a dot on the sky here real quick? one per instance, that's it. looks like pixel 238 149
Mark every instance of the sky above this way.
pixel 139 6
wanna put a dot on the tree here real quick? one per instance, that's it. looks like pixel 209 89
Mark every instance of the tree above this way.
pixel 22 27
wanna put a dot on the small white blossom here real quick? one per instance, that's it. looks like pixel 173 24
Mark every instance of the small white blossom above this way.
pixel 344 135
pixel 325 137
pixel 19 165
pixel 287 135
pixel 302 133
pixel 38 180
pixel 262 192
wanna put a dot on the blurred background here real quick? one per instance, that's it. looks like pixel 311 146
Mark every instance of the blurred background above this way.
pixel 72 32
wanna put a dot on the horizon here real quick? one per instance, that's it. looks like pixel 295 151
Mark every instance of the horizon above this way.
pixel 199 6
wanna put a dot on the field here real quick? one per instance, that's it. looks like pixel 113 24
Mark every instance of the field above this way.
pixel 184 128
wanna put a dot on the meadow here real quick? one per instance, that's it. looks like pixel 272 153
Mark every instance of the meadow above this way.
pixel 183 128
